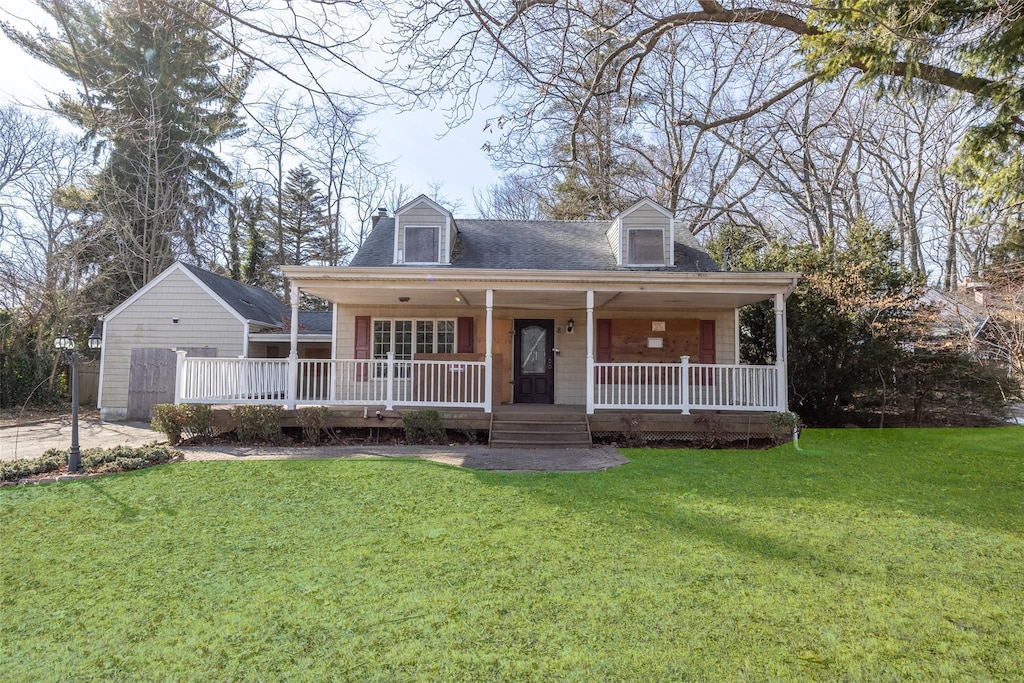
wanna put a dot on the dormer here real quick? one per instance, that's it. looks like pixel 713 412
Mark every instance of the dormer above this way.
pixel 643 236
pixel 424 234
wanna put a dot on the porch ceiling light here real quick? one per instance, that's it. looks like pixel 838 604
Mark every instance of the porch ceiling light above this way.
pixel 404 299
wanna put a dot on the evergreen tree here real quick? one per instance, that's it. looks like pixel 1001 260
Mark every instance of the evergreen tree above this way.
pixel 303 217
pixel 255 270
pixel 155 96
pixel 849 320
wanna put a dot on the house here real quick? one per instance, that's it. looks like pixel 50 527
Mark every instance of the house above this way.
pixel 984 320
pixel 192 309
pixel 629 314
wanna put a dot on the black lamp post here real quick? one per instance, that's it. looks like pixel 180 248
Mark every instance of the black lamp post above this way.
pixel 66 343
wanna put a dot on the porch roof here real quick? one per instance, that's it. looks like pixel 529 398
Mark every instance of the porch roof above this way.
pixel 441 286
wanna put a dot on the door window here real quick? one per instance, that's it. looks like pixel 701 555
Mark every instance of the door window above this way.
pixel 534 355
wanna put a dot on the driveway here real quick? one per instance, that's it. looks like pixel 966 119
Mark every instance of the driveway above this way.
pixel 31 439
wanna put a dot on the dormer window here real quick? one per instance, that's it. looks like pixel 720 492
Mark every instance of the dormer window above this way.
pixel 422 244
pixel 646 247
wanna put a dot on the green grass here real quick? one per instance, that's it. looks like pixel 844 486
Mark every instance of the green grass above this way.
pixel 896 555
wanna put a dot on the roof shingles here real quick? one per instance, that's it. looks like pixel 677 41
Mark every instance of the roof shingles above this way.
pixel 531 245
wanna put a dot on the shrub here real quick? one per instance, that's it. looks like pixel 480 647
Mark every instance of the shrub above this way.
pixel 196 419
pixel 313 420
pixel 53 459
pixel 125 458
pixel 257 424
pixel 168 419
pixel 782 425
pixel 423 426
pixel 190 419
pixel 118 459
pixel 712 432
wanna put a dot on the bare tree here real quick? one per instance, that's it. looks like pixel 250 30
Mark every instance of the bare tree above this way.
pixel 513 197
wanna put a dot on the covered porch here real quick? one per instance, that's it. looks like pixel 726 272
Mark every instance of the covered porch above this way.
pixel 460 339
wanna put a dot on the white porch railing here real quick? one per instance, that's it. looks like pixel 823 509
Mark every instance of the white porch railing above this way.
pixel 461 384
pixel 682 386
pixel 426 383
pixel 232 380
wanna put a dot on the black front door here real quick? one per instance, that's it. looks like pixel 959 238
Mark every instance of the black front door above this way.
pixel 534 361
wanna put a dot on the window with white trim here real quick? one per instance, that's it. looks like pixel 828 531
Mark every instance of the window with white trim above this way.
pixel 646 247
pixel 423 244
pixel 407 338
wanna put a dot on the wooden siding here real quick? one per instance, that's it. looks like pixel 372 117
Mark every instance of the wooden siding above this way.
pixel 147 323
pixel 571 361
pixel 421 215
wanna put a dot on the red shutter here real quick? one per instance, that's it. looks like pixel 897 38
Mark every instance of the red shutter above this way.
pixel 707 341
pixel 363 340
pixel 603 352
pixel 707 350
pixel 604 341
pixel 467 338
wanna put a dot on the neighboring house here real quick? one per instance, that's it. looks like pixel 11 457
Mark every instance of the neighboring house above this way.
pixel 186 307
pixel 984 321
pixel 628 314
pixel 955 320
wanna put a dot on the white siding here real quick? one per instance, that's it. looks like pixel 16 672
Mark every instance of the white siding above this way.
pixel 147 323
pixel 614 240
pixel 571 362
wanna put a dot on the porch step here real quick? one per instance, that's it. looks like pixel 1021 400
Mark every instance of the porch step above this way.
pixel 540 430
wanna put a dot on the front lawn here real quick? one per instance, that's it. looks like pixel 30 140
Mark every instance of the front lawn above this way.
pixel 894 555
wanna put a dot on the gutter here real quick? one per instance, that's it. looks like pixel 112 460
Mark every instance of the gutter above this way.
pixel 374 276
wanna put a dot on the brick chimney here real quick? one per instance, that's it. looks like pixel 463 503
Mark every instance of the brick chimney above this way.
pixel 381 213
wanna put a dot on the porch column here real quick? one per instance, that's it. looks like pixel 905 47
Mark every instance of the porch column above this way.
pixel 488 358
pixel 590 352
pixel 293 353
pixel 178 376
pixel 782 400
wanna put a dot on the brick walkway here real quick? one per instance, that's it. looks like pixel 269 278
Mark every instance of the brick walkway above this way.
pixel 474 457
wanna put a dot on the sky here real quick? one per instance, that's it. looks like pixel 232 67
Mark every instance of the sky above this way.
pixel 419 143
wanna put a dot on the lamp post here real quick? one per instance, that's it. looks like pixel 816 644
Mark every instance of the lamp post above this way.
pixel 66 343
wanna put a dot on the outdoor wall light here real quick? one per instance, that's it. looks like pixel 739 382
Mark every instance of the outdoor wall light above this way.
pixel 570 326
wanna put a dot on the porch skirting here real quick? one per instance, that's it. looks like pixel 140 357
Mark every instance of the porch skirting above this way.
pixel 716 427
